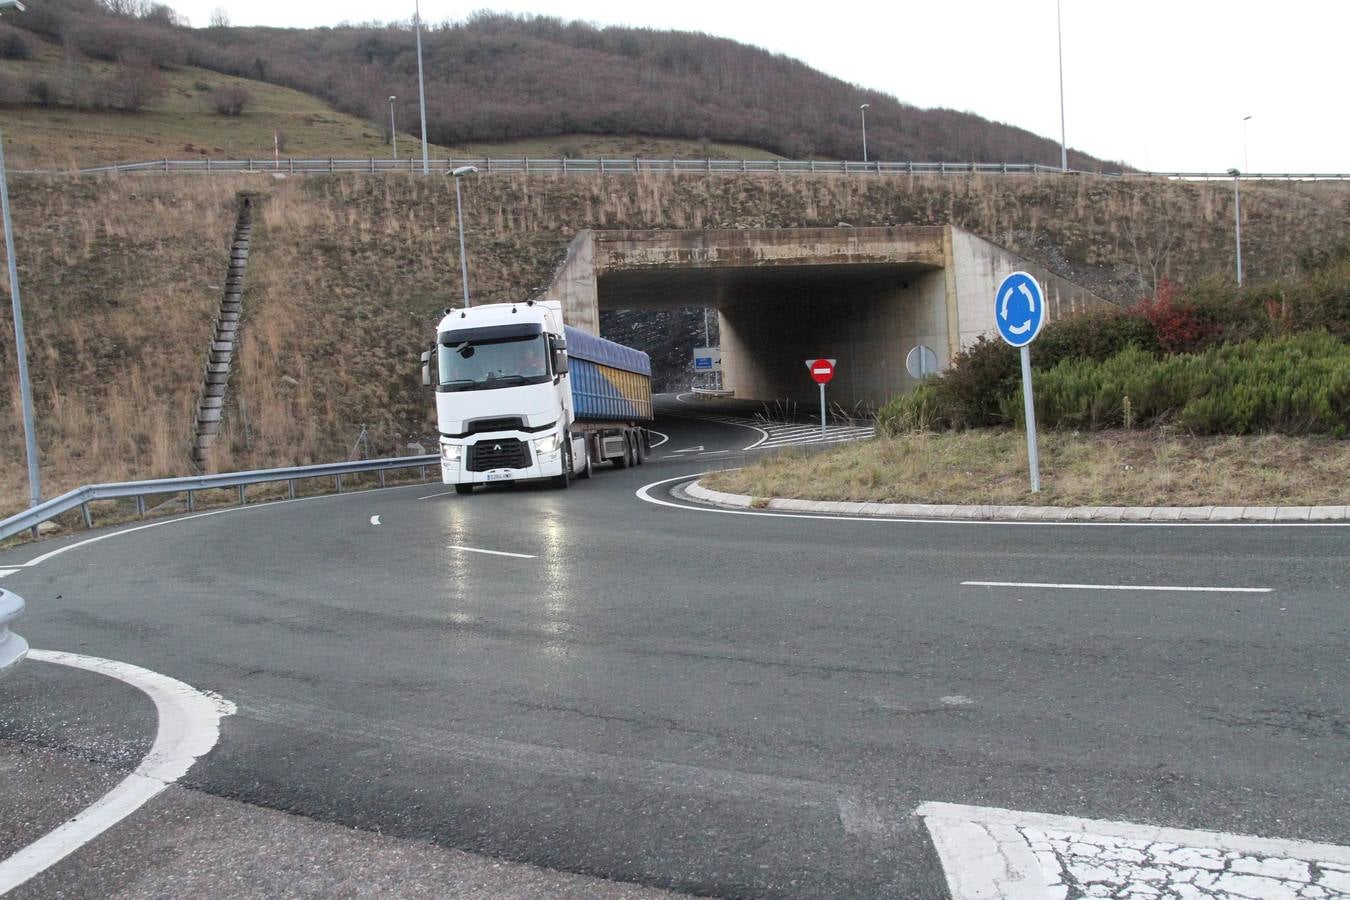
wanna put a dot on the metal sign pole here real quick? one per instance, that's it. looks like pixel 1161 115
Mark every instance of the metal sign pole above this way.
pixel 20 346
pixel 822 410
pixel 1029 404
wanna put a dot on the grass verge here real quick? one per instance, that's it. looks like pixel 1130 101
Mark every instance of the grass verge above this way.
pixel 1111 468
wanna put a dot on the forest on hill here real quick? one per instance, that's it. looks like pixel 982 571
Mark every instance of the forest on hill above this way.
pixel 498 77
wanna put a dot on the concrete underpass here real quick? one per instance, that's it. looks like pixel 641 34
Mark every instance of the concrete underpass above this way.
pixel 865 296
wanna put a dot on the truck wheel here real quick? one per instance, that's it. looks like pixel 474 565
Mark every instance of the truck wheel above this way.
pixel 563 480
pixel 463 489
pixel 639 447
pixel 587 468
pixel 621 461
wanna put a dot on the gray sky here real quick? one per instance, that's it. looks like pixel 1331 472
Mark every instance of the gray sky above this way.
pixel 1161 84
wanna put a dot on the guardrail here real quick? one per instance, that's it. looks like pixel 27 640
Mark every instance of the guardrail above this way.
pixel 630 166
pixel 81 497
pixel 12 647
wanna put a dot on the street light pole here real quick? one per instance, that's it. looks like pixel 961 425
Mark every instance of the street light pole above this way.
pixel 1246 163
pixel 393 134
pixel 863 109
pixel 459 217
pixel 20 345
pixel 421 89
pixel 1237 220
pixel 1063 143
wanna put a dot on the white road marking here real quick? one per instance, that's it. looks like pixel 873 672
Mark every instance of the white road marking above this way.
pixel 689 449
pixel 490 552
pixel 4 572
pixel 1120 587
pixel 189 726
pixel 433 496
pixel 643 493
pixel 375 520
pixel 988 852
pixel 37 560
pixel 664 438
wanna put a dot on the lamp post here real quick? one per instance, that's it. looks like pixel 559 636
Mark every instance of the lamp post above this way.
pixel 459 217
pixel 863 110
pixel 20 345
pixel 393 135
pixel 1063 144
pixel 421 89
pixel 1246 163
pixel 1237 220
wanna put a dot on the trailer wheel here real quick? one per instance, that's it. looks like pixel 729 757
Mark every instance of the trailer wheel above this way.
pixel 639 447
pixel 621 461
pixel 586 469
pixel 463 489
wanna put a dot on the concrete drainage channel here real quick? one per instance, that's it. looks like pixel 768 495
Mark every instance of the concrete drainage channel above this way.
pixel 12 647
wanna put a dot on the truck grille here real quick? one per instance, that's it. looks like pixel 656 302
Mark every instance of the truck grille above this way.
pixel 507 453
pixel 513 423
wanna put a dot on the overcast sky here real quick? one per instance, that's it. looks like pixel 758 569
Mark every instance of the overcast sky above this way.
pixel 1160 84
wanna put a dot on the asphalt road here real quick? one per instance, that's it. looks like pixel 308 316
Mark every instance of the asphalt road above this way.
pixel 718 703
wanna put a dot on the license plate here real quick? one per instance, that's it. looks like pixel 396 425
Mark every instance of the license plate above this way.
pixel 498 476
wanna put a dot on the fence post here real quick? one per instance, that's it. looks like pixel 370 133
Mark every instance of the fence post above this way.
pixel 208 165
pixel 291 160
pixel 338 480
pixel 242 501
pixel 381 474
pixel 330 165
pixel 192 500
pixel 140 506
pixel 290 488
pixel 166 167
pixel 564 165
pixel 88 514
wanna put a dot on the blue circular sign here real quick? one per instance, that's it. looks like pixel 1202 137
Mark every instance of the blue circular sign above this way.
pixel 1019 309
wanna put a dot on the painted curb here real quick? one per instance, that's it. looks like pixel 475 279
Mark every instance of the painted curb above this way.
pixel 696 491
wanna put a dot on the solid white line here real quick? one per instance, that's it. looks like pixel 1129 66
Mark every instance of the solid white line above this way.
pixel 763 435
pixel 433 496
pixel 642 493
pixel 189 726
pixel 490 552
pixel 1119 587
pixel 664 438
pixel 202 515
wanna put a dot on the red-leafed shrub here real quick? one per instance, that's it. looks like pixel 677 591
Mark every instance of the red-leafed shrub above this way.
pixel 1178 327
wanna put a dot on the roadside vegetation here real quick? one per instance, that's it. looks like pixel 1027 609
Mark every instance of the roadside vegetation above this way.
pixel 1207 396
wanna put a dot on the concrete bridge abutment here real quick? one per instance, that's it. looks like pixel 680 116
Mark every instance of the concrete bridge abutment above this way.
pixel 865 296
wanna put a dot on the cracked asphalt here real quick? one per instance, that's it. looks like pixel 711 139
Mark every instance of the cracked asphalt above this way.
pixel 665 699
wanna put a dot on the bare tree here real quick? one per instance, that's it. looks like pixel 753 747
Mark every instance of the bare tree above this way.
pixel 220 18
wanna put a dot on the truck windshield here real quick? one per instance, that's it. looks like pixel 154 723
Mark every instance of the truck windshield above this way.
pixel 491 364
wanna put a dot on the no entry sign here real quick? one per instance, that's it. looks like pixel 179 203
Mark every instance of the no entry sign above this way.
pixel 822 370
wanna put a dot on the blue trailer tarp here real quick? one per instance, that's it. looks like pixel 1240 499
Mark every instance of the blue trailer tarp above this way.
pixel 581 345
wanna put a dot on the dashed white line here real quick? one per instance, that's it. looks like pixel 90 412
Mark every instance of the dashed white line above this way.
pixel 1120 587
pixel 189 726
pixel 434 496
pixel 490 552
pixel 375 520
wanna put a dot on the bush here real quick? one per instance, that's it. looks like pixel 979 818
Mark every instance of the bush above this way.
pixel 13 92
pixel 133 84
pixel 230 100
pixel 13 45
pixel 1298 384
pixel 41 92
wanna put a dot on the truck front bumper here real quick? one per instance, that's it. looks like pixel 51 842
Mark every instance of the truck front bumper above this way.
pixel 456 471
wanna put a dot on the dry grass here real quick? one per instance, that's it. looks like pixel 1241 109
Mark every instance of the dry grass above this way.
pixel 1099 469
pixel 348 276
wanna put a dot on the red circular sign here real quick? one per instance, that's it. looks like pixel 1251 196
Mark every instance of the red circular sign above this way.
pixel 822 370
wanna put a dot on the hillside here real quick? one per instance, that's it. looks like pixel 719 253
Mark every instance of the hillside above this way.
pixel 498 79
pixel 348 275
pixel 181 123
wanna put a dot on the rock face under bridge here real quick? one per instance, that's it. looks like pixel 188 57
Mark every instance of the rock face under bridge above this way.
pixel 865 296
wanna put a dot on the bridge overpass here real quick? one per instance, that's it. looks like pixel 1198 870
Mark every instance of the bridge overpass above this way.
pixel 864 295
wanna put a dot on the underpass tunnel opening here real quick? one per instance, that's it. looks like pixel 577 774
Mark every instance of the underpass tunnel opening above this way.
pixel 772 318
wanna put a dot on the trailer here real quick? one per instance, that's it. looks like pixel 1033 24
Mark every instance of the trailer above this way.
pixel 521 396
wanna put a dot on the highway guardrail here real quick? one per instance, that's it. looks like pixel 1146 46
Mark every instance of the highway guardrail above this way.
pixel 81 497
pixel 636 165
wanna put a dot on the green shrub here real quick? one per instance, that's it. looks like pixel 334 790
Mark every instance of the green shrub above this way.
pixel 920 410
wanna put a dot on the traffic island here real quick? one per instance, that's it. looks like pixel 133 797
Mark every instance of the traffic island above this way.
pixel 1099 476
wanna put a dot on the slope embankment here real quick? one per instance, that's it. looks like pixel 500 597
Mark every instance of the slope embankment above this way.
pixel 348 275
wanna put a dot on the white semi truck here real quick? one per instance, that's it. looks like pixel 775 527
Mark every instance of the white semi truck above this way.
pixel 520 395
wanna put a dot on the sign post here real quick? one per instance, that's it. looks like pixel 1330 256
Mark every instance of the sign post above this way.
pixel 822 370
pixel 1019 313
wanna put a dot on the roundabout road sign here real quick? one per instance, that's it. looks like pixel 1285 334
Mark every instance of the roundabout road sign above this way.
pixel 1019 309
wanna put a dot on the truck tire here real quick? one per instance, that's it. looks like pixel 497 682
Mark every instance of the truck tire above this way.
pixel 621 461
pixel 463 489
pixel 639 447
pixel 586 470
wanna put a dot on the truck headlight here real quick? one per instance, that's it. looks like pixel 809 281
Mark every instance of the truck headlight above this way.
pixel 549 444
pixel 451 453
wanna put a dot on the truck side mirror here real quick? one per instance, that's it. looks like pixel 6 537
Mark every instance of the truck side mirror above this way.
pixel 426 368
pixel 559 356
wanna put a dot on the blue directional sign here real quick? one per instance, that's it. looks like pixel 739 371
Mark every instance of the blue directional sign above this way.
pixel 1019 309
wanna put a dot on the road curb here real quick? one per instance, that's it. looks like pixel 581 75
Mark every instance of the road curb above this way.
pixel 697 492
